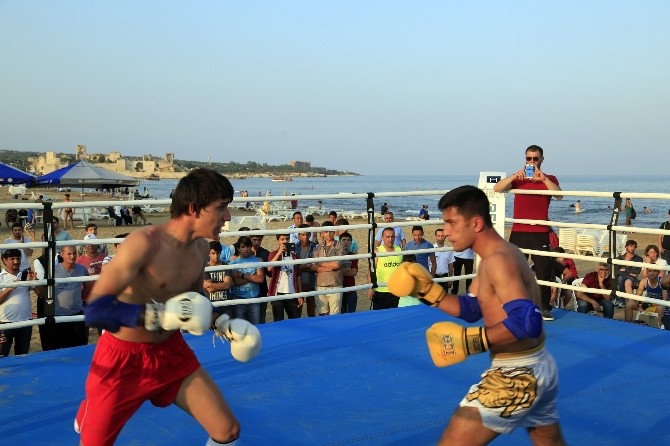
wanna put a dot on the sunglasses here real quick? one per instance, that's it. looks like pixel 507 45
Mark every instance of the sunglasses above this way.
pixel 533 158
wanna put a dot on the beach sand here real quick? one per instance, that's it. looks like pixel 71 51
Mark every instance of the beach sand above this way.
pixel 269 242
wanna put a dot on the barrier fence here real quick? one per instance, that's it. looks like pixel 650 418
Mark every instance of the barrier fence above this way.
pixel 612 229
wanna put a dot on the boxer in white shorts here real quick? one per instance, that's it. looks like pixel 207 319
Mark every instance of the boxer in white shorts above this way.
pixel 518 390
pixel 521 386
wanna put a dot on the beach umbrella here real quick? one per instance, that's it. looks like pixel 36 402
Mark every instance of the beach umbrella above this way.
pixel 12 175
pixel 84 174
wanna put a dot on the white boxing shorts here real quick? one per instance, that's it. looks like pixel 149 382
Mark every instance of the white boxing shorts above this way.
pixel 518 390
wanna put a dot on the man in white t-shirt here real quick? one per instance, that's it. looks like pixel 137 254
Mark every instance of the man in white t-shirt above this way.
pixel 443 259
pixel 18 237
pixel 15 304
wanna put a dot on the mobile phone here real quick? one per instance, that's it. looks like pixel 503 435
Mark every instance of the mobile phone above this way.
pixel 289 247
pixel 530 170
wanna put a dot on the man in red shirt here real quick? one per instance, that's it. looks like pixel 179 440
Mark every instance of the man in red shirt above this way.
pixel 599 279
pixel 533 207
pixel 92 258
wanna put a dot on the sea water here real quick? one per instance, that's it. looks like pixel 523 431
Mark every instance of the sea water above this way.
pixel 595 209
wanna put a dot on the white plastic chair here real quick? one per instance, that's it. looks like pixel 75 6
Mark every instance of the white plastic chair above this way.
pixel 98 214
pixel 602 243
pixel 567 239
pixel 585 243
pixel 621 243
pixel 572 305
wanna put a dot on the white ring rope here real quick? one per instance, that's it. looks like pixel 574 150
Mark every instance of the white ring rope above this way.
pixel 56 206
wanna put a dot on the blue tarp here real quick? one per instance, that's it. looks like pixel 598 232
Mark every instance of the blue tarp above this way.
pixel 12 175
pixel 85 174
pixel 362 379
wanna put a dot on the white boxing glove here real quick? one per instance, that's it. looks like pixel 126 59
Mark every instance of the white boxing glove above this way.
pixel 244 337
pixel 188 311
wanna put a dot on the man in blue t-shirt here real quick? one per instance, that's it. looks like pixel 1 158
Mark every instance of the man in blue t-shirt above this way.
pixel 418 242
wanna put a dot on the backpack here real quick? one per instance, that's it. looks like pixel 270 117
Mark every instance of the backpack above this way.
pixel 633 214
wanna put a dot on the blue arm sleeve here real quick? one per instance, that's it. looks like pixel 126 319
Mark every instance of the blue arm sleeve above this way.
pixel 524 319
pixel 470 309
pixel 108 313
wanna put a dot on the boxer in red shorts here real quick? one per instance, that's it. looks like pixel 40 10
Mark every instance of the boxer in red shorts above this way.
pixel 143 298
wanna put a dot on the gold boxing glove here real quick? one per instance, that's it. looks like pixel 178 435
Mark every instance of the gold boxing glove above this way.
pixel 450 343
pixel 412 279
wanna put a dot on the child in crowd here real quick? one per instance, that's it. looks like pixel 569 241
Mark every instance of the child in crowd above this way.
pixel 246 280
pixel 216 284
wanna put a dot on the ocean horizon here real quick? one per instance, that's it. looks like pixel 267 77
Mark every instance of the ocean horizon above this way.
pixel 595 209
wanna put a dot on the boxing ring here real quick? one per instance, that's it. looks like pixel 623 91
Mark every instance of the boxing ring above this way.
pixel 361 379
pixel 364 378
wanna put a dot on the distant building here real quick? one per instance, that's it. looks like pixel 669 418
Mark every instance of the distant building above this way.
pixel 300 164
pixel 148 165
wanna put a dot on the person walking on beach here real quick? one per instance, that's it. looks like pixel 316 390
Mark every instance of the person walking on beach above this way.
pixel 520 389
pixel 533 207
pixel 628 209
pixel 145 296
pixel 384 209
pixel 68 213
pixel 423 213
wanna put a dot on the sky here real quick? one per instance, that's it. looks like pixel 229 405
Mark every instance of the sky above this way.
pixel 374 87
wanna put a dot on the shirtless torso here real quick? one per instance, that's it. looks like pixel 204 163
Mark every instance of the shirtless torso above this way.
pixel 157 263
pixel 504 276
pixel 508 302
pixel 153 263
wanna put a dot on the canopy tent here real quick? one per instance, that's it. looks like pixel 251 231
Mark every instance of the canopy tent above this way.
pixel 12 175
pixel 84 174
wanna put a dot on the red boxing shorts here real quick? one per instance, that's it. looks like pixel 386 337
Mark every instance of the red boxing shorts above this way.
pixel 124 375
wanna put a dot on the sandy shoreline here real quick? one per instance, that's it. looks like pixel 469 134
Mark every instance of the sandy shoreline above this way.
pixel 269 242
